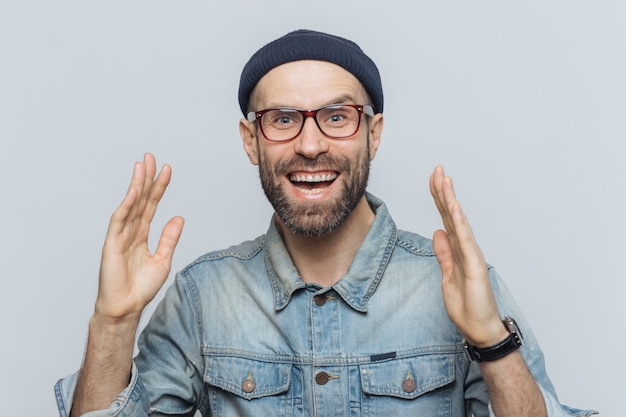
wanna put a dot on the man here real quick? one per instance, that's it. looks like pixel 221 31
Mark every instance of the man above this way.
pixel 333 311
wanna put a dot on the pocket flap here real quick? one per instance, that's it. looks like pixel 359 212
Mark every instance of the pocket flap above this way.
pixel 248 378
pixel 408 377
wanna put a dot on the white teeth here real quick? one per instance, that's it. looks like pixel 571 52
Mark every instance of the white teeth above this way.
pixel 310 191
pixel 313 178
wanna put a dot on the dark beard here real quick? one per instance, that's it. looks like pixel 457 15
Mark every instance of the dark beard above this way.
pixel 316 219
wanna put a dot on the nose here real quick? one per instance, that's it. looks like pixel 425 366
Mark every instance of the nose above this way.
pixel 311 142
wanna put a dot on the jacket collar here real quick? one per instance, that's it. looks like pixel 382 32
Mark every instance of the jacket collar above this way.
pixel 364 274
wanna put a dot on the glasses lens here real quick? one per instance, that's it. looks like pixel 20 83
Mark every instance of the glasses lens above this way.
pixel 338 121
pixel 281 124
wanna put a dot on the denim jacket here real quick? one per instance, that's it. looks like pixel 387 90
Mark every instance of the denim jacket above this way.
pixel 239 333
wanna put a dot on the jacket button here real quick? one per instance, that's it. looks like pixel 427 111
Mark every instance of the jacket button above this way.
pixel 408 385
pixel 321 378
pixel 320 299
pixel 248 385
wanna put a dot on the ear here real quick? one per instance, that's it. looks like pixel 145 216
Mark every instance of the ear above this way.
pixel 375 131
pixel 247 131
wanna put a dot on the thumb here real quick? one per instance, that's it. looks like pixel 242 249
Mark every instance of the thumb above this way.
pixel 169 239
pixel 443 251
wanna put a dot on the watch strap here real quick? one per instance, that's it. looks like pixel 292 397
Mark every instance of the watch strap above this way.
pixel 512 342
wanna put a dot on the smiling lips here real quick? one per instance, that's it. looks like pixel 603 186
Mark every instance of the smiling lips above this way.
pixel 312 183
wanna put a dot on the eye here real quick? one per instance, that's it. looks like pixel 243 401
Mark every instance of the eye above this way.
pixel 282 119
pixel 336 118
pixel 337 115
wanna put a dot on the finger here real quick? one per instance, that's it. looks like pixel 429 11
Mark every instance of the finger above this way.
pixel 435 188
pixel 128 206
pixel 456 223
pixel 464 240
pixel 448 194
pixel 142 182
pixel 157 191
pixel 139 183
pixel 457 218
pixel 168 240
pixel 451 205
pixel 451 282
pixel 435 181
pixel 437 185
pixel 438 182
pixel 443 252
pixel 149 163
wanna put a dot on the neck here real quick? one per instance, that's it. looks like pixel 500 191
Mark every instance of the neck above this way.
pixel 325 259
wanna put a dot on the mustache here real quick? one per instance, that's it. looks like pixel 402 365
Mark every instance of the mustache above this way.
pixel 322 162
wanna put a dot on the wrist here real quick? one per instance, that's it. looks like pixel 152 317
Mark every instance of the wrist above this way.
pixel 487 335
pixel 114 325
pixel 510 343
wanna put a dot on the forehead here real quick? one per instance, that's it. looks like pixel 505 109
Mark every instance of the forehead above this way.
pixel 307 84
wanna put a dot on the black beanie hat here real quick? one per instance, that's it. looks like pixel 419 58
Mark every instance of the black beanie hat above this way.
pixel 304 45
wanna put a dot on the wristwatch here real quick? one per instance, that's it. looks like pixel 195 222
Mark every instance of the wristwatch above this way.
pixel 513 342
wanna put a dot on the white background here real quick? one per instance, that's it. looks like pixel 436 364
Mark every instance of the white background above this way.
pixel 524 104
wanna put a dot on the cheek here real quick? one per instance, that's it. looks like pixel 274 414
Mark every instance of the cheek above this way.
pixel 268 160
pixel 361 152
pixel 270 154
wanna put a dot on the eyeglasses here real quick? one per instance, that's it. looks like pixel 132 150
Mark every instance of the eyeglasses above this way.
pixel 336 121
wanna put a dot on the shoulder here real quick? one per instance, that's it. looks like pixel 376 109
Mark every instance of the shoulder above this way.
pixel 409 241
pixel 241 252
pixel 414 243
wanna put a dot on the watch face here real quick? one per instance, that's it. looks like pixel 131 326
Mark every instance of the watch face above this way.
pixel 511 324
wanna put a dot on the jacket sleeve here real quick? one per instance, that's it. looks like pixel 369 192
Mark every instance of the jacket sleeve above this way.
pixel 130 402
pixel 531 352
pixel 167 374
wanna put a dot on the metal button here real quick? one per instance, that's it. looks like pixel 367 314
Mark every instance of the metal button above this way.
pixel 322 378
pixel 320 299
pixel 248 385
pixel 409 383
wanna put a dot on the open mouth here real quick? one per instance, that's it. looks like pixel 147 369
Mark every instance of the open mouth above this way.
pixel 312 183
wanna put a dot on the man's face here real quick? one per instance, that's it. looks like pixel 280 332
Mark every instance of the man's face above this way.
pixel 313 182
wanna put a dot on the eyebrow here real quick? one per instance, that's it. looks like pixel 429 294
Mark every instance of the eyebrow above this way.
pixel 346 98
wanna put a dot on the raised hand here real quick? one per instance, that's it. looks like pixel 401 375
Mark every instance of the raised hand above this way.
pixel 467 293
pixel 470 303
pixel 130 275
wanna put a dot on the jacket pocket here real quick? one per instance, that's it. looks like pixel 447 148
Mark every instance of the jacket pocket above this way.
pixel 248 378
pixel 426 380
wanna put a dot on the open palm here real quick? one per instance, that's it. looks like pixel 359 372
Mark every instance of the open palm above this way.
pixel 130 275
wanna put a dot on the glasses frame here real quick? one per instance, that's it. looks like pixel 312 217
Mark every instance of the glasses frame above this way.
pixel 366 109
